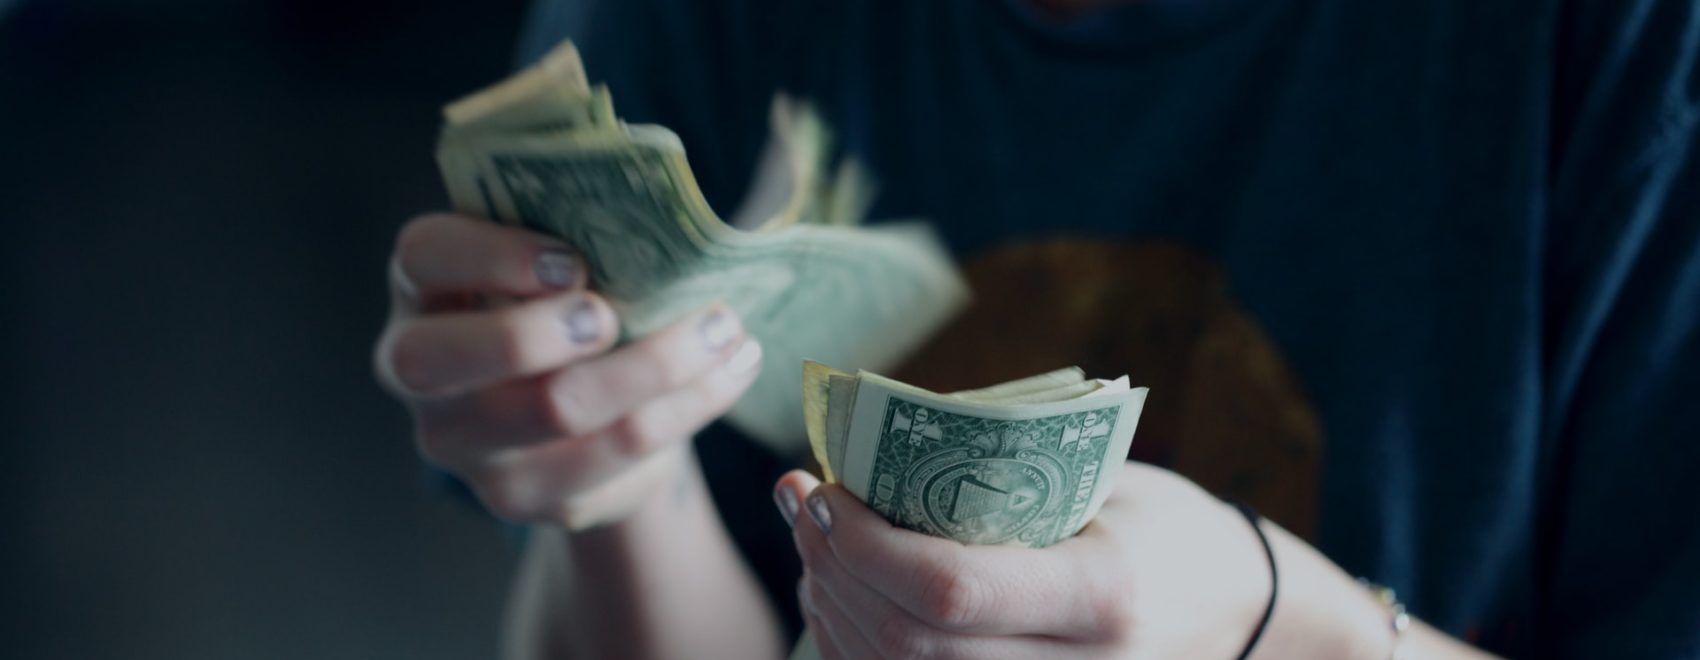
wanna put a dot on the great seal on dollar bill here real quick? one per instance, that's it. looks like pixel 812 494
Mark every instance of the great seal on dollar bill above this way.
pixel 987 481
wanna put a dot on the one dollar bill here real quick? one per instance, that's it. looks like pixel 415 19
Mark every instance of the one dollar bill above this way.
pixel 544 150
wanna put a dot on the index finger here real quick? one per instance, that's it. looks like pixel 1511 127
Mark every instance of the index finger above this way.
pixel 982 590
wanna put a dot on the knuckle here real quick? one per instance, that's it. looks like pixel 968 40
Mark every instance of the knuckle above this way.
pixel 506 496
pixel 816 555
pixel 556 405
pixel 1111 611
pixel 720 391
pixel 415 236
pixel 659 363
pixel 510 346
pixel 577 514
pixel 637 434
pixel 897 637
pixel 951 598
pixel 406 352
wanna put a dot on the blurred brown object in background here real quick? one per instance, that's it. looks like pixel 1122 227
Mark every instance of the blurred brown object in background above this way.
pixel 1225 410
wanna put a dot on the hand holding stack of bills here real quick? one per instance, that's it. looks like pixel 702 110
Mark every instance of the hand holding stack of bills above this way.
pixel 1027 462
pixel 545 150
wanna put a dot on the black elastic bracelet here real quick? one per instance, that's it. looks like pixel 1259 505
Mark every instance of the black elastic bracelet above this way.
pixel 1274 581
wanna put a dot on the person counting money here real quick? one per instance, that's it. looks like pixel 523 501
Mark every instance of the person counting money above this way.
pixel 1412 286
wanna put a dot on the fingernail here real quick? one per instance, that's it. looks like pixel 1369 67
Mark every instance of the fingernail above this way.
pixel 786 500
pixel 821 514
pixel 583 326
pixel 746 358
pixel 718 329
pixel 556 269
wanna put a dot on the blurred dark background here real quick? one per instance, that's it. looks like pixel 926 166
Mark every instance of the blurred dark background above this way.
pixel 199 198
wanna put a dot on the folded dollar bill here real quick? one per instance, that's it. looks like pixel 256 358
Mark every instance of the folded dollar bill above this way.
pixel 1026 462
pixel 545 150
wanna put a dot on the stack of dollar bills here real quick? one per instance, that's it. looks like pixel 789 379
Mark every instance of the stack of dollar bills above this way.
pixel 546 151
pixel 1027 462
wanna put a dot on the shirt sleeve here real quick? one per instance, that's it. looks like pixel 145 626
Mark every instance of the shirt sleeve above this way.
pixel 707 69
pixel 1620 543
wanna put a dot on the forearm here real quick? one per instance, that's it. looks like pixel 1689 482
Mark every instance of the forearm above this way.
pixel 1325 614
pixel 666 582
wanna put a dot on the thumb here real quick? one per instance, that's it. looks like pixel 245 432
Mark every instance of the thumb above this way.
pixel 789 491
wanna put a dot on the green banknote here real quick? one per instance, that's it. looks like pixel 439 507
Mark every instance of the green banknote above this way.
pixel 546 152
pixel 1024 463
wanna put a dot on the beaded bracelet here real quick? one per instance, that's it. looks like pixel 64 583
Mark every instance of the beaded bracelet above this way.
pixel 1400 620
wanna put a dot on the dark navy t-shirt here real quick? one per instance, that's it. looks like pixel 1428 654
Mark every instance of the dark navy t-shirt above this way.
pixel 1468 231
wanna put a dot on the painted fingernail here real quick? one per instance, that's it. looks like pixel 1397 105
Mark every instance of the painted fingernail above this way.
pixel 786 500
pixel 556 269
pixel 821 514
pixel 583 326
pixel 747 357
pixel 718 329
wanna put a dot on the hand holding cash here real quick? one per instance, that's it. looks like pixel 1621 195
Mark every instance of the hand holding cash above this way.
pixel 1164 570
pixel 544 151
pixel 1025 463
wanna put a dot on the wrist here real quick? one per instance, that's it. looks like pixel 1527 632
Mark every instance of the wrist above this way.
pixel 646 574
pixel 654 498
pixel 1261 615
pixel 1322 612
